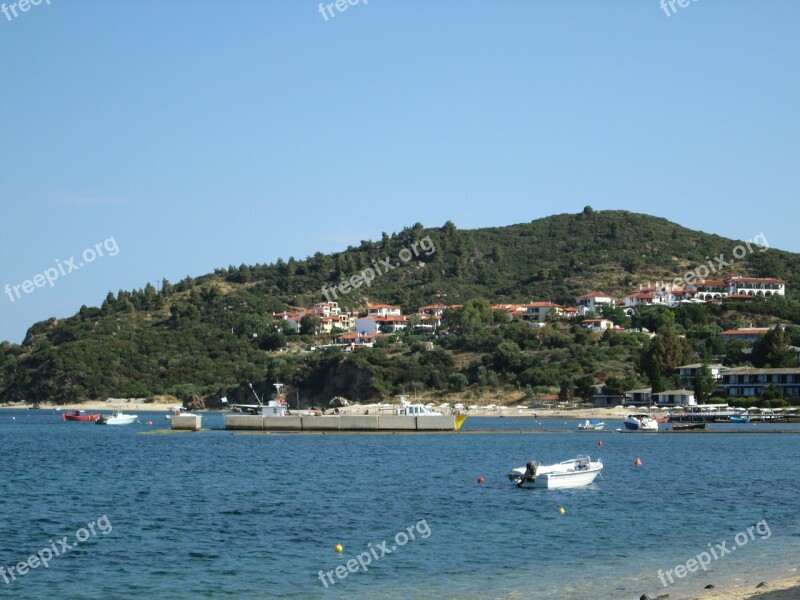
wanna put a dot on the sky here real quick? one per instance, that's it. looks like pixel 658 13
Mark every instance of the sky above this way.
pixel 192 135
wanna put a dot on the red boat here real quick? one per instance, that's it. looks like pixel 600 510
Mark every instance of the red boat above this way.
pixel 79 415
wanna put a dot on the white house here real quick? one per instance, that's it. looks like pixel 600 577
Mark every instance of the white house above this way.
pixel 592 302
pixel 539 311
pixel 672 398
pixel 372 325
pixel 756 286
pixel 640 397
pixel 747 382
pixel 597 324
pixel 710 289
pixel 383 310
pixel 689 372
pixel 326 309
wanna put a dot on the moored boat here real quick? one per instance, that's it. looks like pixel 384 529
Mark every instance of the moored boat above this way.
pixel 576 472
pixel 640 422
pixel 117 418
pixel 79 415
pixel 591 425
pixel 688 426
pixel 740 419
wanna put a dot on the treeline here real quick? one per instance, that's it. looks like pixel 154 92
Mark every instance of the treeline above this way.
pixel 213 334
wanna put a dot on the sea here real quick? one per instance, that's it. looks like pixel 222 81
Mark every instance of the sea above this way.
pixel 139 512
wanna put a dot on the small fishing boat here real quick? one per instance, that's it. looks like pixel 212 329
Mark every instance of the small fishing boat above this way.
pixel 117 418
pixel 740 419
pixel 688 426
pixel 591 425
pixel 640 422
pixel 576 472
pixel 178 411
pixel 79 415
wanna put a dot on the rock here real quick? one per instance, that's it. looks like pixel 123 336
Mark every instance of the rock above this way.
pixel 644 597
pixel 193 402
pixel 710 586
pixel 762 584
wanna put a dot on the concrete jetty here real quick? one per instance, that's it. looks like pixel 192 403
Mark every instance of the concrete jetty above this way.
pixel 344 423
pixel 186 422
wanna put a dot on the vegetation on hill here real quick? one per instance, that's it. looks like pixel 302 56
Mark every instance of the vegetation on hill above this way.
pixel 213 334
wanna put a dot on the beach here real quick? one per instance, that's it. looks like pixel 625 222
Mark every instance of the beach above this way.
pixel 781 589
pixel 124 404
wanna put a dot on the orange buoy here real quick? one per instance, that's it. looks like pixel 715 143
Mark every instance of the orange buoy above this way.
pixel 600 443
pixel 638 462
pixel 481 480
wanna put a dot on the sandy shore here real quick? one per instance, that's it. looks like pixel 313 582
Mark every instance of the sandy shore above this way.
pixel 122 404
pixel 781 589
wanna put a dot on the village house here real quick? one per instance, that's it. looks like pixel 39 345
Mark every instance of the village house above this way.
pixel 710 289
pixel 326 309
pixel 356 340
pixel 383 310
pixel 374 324
pixel 746 334
pixel 592 302
pixel 640 397
pixel 602 399
pixel 597 324
pixel 675 398
pixel 687 373
pixel 750 382
pixel 756 286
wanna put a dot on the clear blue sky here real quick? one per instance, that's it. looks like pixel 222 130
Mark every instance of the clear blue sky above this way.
pixel 202 134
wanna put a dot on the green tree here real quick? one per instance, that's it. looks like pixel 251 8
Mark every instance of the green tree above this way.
pixel 566 391
pixel 654 318
pixel 772 350
pixel 704 384
pixel 473 315
pixel 615 314
pixel 506 357
pixel 309 324
pixel 665 352
pixel 584 388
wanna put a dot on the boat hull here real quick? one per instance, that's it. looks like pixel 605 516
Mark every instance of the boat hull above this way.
pixel 640 423
pixel 560 476
pixel 81 417
pixel 126 420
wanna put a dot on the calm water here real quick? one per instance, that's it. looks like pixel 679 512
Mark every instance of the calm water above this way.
pixel 223 515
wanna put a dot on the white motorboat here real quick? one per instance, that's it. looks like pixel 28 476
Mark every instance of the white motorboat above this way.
pixel 178 411
pixel 640 422
pixel 415 410
pixel 591 425
pixel 572 473
pixel 117 418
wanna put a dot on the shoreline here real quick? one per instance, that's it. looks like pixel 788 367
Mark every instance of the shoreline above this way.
pixel 783 588
pixel 94 406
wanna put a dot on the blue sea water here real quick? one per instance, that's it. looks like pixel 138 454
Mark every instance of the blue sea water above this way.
pixel 220 514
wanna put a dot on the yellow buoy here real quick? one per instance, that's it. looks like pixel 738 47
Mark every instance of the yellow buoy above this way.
pixel 561 511
pixel 339 548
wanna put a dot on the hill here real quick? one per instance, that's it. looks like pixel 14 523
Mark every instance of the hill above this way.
pixel 210 335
